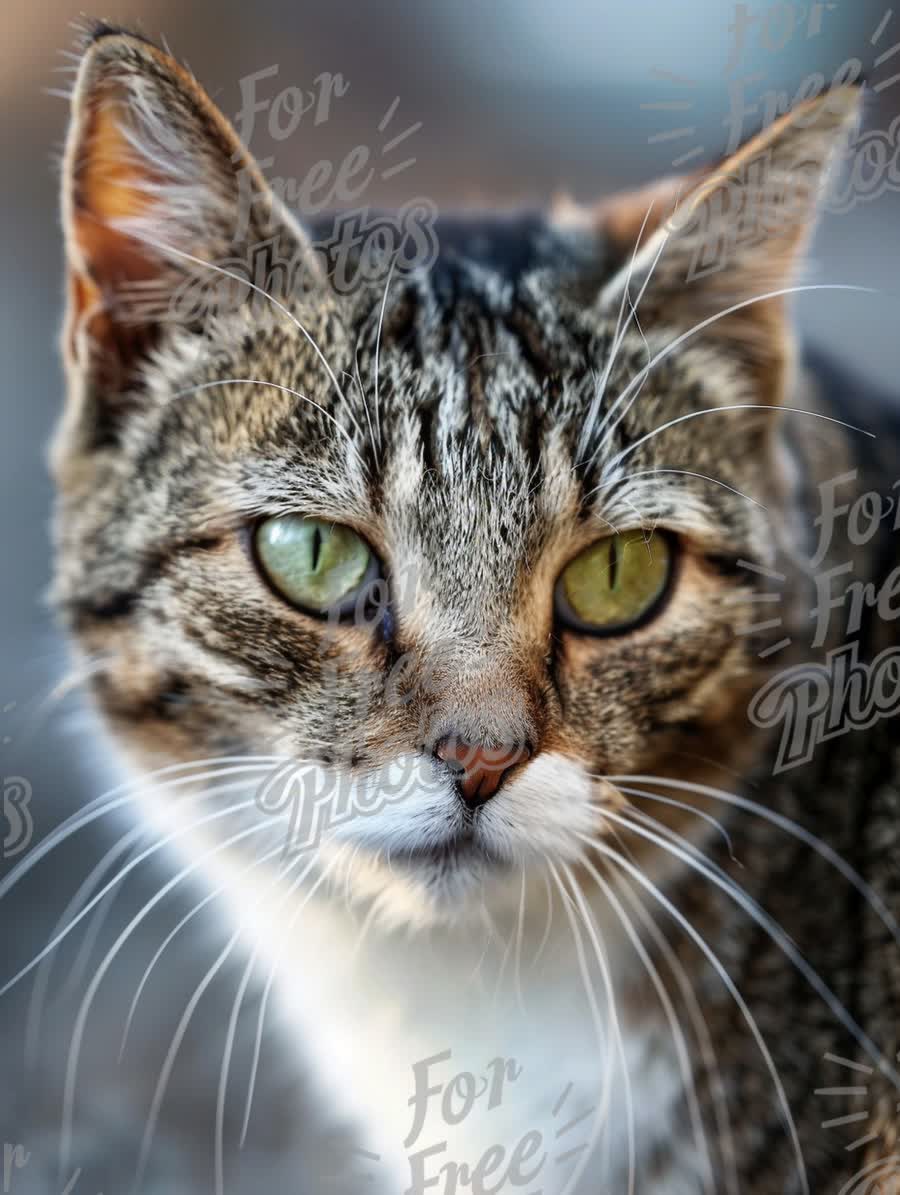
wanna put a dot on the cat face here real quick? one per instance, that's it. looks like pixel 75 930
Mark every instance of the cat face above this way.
pixel 448 550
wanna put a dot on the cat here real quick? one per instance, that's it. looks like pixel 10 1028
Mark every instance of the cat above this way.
pixel 468 578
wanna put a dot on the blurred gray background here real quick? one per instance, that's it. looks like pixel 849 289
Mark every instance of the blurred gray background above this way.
pixel 518 100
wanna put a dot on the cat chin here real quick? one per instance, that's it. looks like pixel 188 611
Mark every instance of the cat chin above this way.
pixel 420 895
pixel 440 868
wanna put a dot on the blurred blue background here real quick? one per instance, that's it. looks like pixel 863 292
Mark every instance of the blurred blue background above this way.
pixel 519 100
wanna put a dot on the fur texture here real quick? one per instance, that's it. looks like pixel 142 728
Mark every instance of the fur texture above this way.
pixel 479 423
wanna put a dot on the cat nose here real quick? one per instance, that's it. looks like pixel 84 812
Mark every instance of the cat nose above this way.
pixel 479 770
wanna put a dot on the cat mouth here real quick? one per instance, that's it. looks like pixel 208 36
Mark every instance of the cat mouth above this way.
pixel 464 850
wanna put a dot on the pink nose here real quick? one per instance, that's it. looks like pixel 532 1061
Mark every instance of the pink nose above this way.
pixel 479 770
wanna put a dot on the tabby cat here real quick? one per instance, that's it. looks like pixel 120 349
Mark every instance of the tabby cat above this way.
pixel 472 578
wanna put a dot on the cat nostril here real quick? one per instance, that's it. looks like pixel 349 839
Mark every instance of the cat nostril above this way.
pixel 479 770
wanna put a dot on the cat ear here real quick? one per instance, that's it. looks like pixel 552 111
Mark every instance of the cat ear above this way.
pixel 157 189
pixel 715 244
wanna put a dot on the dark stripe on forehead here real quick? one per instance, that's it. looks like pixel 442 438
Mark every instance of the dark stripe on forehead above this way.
pixel 507 247
pixel 488 316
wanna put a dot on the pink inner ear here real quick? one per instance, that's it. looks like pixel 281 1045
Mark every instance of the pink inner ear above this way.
pixel 110 185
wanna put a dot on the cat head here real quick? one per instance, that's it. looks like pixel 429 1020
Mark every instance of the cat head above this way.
pixel 439 555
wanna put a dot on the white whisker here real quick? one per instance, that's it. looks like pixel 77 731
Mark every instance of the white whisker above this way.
pixel 601 1115
pixel 692 809
pixel 378 349
pixel 273 386
pixel 232 1027
pixel 618 335
pixel 682 472
pixel 701 1029
pixel 688 855
pixel 87 1001
pixel 542 945
pixel 126 870
pixel 42 978
pixel 678 1038
pixel 784 823
pixel 732 988
pixel 357 379
pixel 637 381
pixel 105 803
pixel 606 975
pixel 739 406
pixel 264 1001
pixel 157 955
pixel 164 248
pixel 520 931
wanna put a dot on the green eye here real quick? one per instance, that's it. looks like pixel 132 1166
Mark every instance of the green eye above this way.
pixel 615 582
pixel 317 566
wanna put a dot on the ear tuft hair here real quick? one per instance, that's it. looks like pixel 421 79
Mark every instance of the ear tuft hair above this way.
pixel 95 29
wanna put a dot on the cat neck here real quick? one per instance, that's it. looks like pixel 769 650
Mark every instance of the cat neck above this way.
pixel 448 1045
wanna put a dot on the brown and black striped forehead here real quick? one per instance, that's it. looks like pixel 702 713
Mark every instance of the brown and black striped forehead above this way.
pixel 499 336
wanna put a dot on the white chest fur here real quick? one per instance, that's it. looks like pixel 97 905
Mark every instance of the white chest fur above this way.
pixel 471 1066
